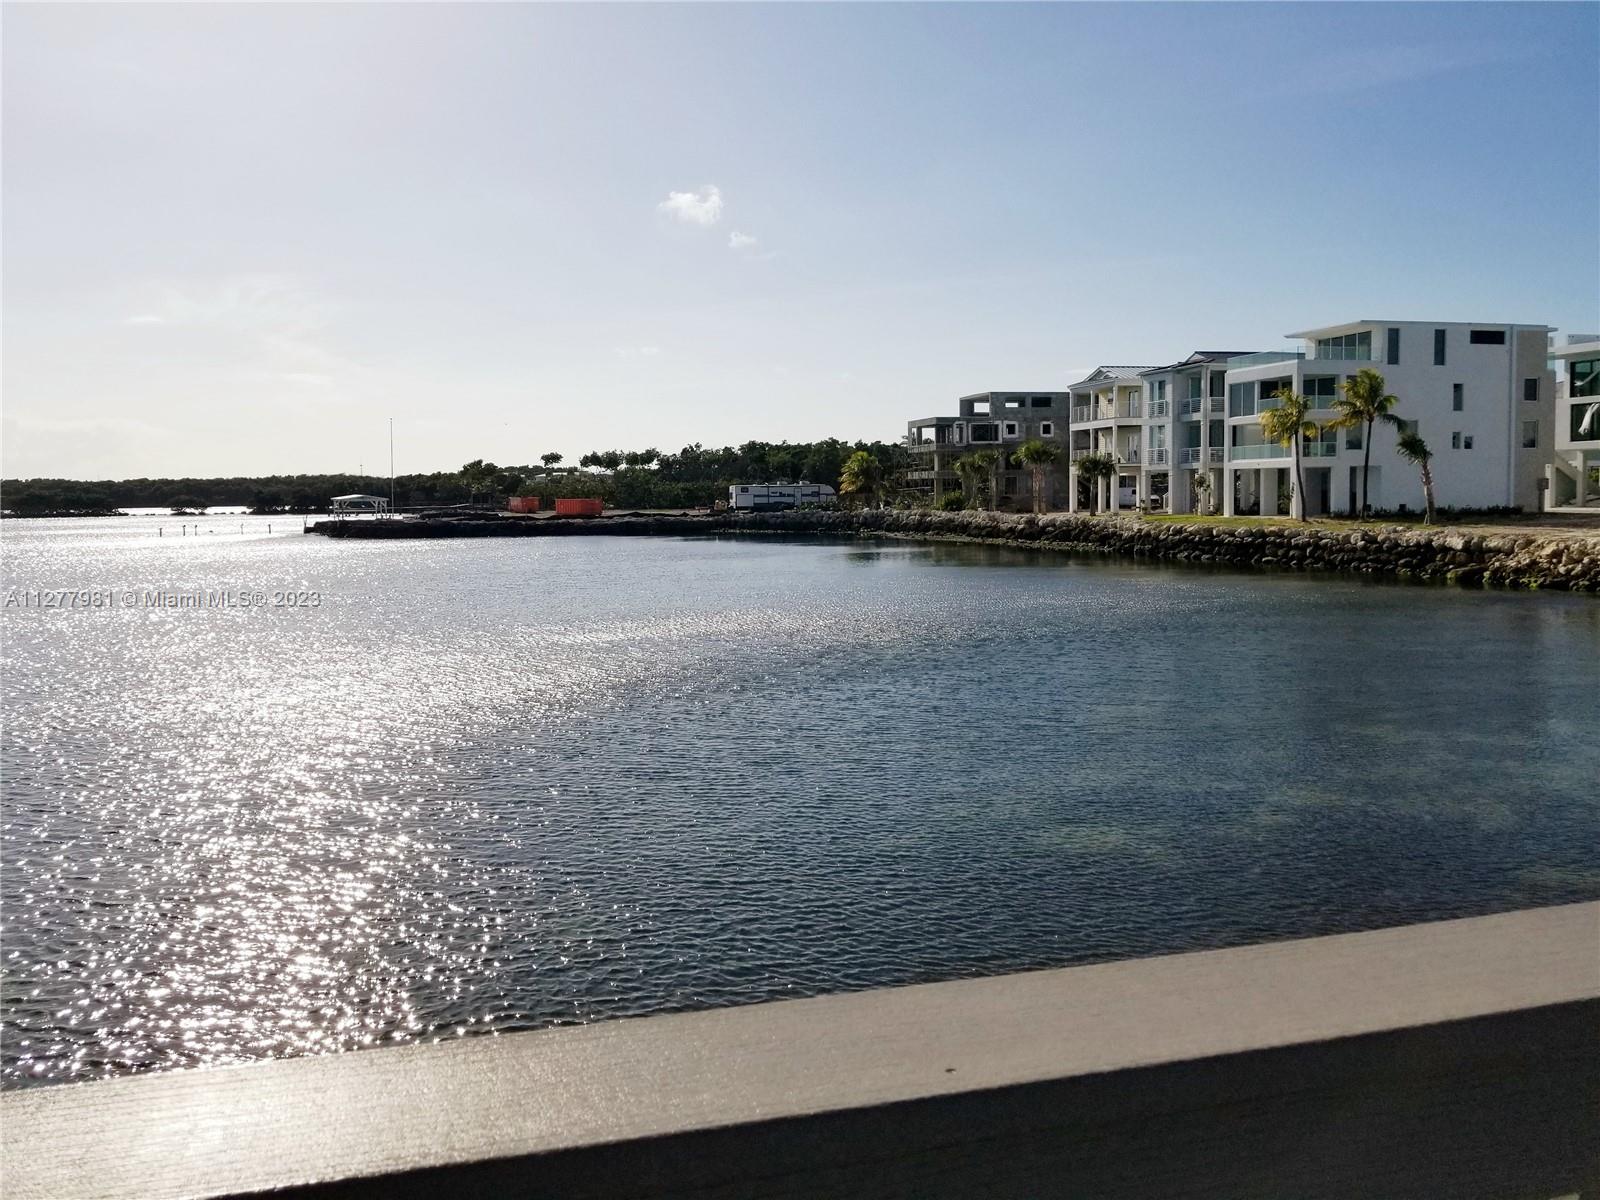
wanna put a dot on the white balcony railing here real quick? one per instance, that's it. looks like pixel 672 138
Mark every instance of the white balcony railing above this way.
pixel 1189 456
pixel 1214 455
pixel 1080 414
pixel 1159 408
pixel 1190 407
pixel 1157 456
pixel 1128 455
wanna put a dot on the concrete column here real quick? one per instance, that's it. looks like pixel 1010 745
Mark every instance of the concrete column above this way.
pixel 1267 491
pixel 1072 488
pixel 938 483
pixel 1116 492
pixel 1229 482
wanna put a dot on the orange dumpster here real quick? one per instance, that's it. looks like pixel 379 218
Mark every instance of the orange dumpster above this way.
pixel 567 507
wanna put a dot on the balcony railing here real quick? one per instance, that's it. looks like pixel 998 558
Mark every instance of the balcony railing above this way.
pixel 1129 455
pixel 1159 408
pixel 1190 407
pixel 1189 456
pixel 1156 456
pixel 1262 359
pixel 1217 405
pixel 1215 455
pixel 1268 450
pixel 1080 414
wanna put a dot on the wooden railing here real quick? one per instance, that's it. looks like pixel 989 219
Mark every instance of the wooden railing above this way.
pixel 1459 1059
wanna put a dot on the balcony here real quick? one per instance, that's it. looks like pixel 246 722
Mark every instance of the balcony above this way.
pixel 1214 456
pixel 1267 450
pixel 1190 407
pixel 1156 456
pixel 1077 454
pixel 1128 455
pixel 1262 359
pixel 1159 408
pixel 1189 456
pixel 1217 405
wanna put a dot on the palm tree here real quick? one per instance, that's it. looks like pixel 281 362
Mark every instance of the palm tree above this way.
pixel 862 475
pixel 1363 404
pixel 978 465
pixel 1037 455
pixel 1414 450
pixel 1286 424
pixel 1095 467
pixel 971 471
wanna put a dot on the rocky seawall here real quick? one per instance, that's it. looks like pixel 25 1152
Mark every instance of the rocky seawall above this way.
pixel 1560 561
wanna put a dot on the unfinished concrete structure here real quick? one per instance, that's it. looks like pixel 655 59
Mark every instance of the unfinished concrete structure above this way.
pixel 997 421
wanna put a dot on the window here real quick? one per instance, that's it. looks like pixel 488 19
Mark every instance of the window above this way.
pixel 1011 429
pixel 1438 347
pixel 1012 402
pixel 1352 438
pixel 1393 347
pixel 1356 346
pixel 1584 377
pixel 1487 337
pixel 980 408
pixel 1241 399
pixel 1455 440
pixel 1457 399
pixel 1403 427
pixel 989 432
pixel 1530 435
pixel 1041 401
pixel 1193 386
pixel 1047 429
pixel 1581 413
pixel 1161 389
pixel 1530 390
pixel 1218 380
pixel 1466 442
pixel 1321 390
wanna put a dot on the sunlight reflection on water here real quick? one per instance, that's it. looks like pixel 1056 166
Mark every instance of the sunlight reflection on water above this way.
pixel 491 786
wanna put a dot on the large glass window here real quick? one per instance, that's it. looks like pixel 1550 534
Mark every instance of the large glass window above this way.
pixel 1356 346
pixel 1584 377
pixel 1192 388
pixel 1393 347
pixel 1487 337
pixel 1321 390
pixel 1438 347
pixel 1582 414
pixel 985 432
pixel 1241 399
pixel 1352 438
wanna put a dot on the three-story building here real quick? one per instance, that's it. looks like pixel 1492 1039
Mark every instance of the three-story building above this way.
pixel 997 421
pixel 1481 396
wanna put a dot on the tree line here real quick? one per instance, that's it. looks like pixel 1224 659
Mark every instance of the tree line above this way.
pixel 695 476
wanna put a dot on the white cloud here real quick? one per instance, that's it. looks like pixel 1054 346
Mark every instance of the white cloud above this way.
pixel 694 208
pixel 742 241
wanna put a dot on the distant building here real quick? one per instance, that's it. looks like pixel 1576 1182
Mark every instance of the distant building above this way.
pixel 998 421
pixel 1577 420
pixel 1108 417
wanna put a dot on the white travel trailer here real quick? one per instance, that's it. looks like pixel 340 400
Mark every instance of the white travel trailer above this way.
pixel 766 497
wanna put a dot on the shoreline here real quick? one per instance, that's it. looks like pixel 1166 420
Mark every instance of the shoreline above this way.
pixel 1552 559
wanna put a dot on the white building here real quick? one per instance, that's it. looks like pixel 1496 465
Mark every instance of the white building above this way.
pixel 1108 417
pixel 1577 449
pixel 1481 395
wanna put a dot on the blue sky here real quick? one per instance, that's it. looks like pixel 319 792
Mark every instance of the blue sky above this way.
pixel 237 239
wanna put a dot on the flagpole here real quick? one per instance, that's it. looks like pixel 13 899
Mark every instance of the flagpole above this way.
pixel 391 466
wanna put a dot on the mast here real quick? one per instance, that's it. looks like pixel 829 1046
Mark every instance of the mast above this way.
pixel 391 466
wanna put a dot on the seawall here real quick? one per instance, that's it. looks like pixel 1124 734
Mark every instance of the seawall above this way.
pixel 1558 560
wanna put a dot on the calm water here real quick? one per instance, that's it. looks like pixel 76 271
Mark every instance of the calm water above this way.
pixel 486 786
